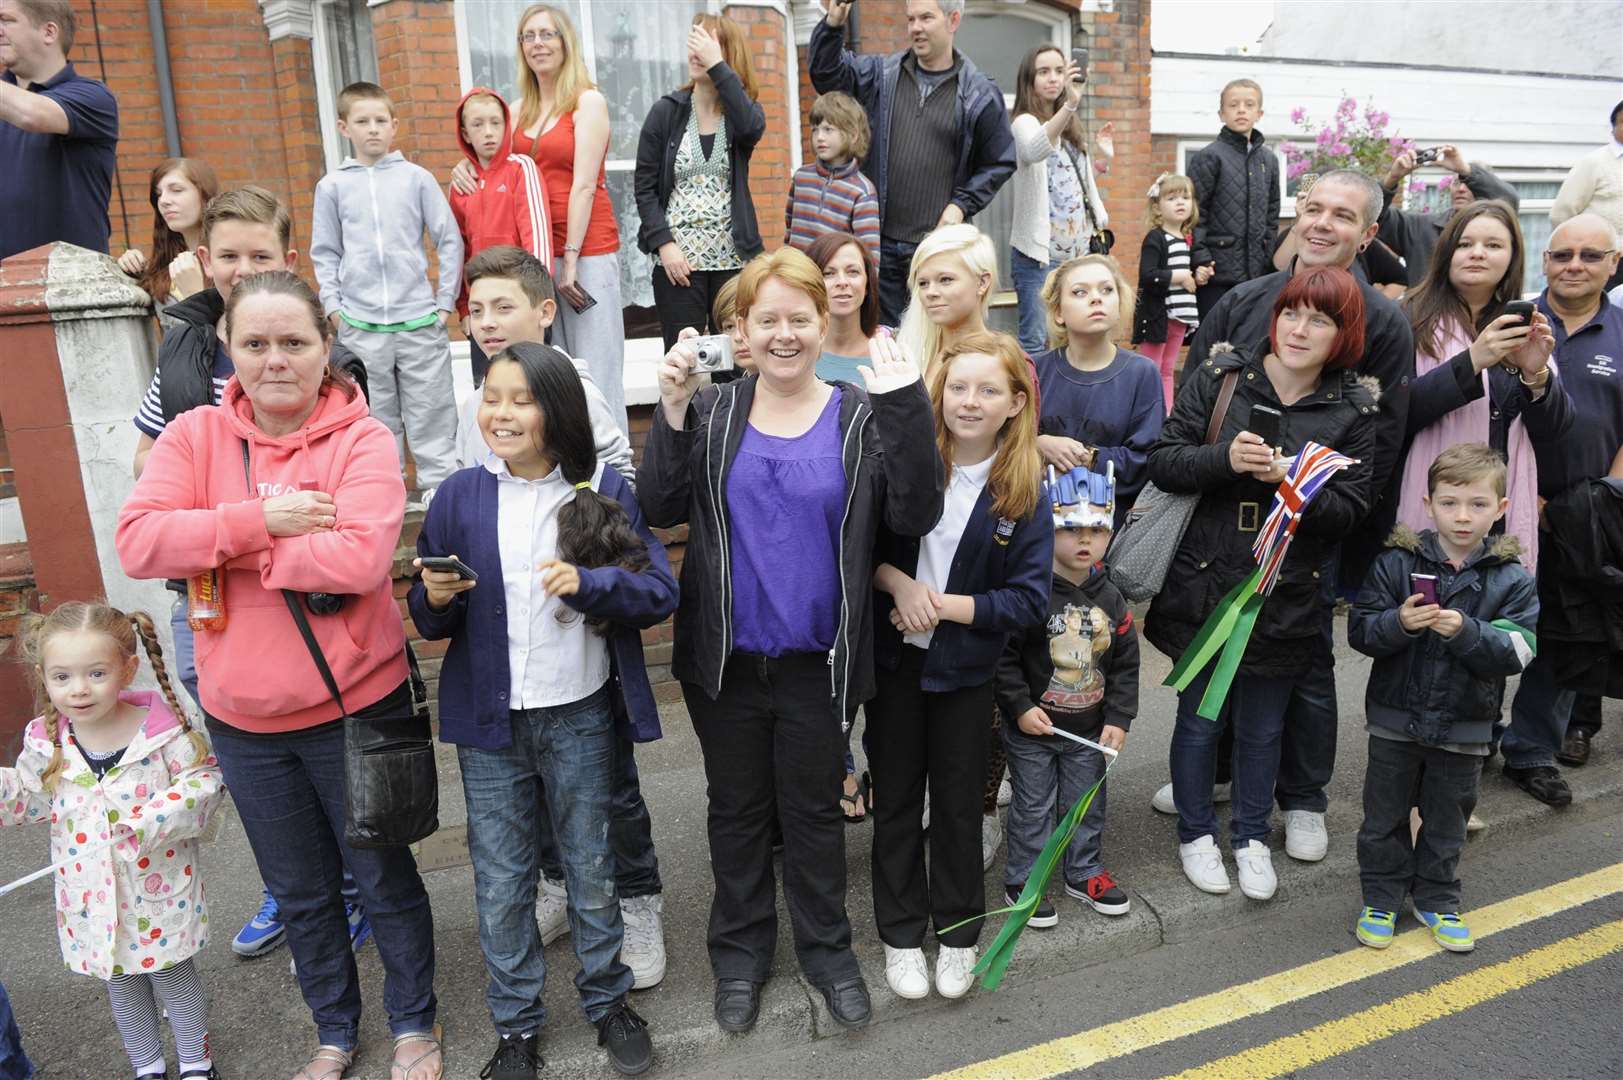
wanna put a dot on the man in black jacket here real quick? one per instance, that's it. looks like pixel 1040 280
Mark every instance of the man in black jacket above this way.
pixel 927 105
pixel 1413 233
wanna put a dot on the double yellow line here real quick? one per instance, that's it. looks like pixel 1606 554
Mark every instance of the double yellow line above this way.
pixel 1076 1052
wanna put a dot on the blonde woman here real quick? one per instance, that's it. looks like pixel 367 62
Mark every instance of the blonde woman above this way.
pixel 950 283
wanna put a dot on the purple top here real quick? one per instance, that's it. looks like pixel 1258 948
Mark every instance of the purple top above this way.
pixel 785 498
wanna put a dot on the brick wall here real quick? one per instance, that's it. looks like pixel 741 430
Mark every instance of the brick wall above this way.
pixel 771 164
pixel 17 597
pixel 1119 92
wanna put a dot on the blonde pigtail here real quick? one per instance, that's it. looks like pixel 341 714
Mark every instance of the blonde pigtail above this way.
pixel 154 650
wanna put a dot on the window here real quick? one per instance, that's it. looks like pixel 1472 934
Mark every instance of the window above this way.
pixel 1537 197
pixel 637 52
pixel 343 53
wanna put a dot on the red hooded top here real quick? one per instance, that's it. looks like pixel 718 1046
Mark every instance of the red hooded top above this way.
pixel 510 206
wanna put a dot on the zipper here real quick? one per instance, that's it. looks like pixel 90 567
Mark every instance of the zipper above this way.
pixel 844 631
pixel 377 235
pixel 715 479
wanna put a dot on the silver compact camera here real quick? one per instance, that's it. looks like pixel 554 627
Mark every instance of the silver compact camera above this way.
pixel 713 352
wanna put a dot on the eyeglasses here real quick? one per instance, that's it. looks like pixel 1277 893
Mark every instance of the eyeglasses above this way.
pixel 1588 256
pixel 545 37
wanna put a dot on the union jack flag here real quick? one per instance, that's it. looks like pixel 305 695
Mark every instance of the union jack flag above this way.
pixel 1305 478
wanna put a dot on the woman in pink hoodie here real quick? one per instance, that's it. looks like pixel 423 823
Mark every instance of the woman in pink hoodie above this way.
pixel 290 484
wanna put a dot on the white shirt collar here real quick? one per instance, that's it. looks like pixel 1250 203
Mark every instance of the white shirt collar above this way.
pixel 498 466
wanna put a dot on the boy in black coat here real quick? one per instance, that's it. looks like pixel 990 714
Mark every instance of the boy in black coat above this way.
pixel 1078 672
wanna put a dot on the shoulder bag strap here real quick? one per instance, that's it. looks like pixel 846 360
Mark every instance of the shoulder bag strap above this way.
pixel 1221 411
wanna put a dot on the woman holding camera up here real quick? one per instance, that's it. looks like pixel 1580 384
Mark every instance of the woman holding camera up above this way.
pixel 289 484
pixel 692 179
pixel 782 480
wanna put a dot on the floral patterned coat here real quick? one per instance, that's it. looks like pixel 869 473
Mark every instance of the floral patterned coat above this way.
pixel 128 895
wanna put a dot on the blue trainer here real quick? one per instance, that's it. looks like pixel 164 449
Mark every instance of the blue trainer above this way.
pixel 1375 927
pixel 262 933
pixel 360 930
pixel 1447 929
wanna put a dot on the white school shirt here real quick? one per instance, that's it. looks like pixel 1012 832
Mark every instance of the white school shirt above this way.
pixel 549 662
pixel 937 550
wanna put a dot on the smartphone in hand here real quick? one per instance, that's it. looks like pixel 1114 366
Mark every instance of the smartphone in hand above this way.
pixel 1522 309
pixel 1079 57
pixel 1265 423
pixel 1425 585
pixel 448 564
pixel 587 301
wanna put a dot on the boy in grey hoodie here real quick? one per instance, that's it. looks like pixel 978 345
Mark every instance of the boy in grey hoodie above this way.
pixel 367 246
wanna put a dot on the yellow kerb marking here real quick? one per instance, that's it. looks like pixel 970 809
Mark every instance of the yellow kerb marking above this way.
pixel 1080 1051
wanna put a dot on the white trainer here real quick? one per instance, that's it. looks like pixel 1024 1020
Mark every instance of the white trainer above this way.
pixel 1256 866
pixel 906 973
pixel 552 910
pixel 1203 865
pixel 643 947
pixel 1005 793
pixel 954 971
pixel 1306 839
pixel 991 837
pixel 1162 802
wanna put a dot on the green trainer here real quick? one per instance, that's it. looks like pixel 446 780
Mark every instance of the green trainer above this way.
pixel 1447 929
pixel 1375 927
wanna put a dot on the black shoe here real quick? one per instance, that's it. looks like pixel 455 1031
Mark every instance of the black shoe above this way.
pixel 517 1057
pixel 848 1002
pixel 1543 782
pixel 211 1073
pixel 624 1035
pixel 738 1003
pixel 1043 915
pixel 1575 750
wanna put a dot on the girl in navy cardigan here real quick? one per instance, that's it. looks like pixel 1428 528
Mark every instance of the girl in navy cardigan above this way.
pixel 945 608
pixel 545 663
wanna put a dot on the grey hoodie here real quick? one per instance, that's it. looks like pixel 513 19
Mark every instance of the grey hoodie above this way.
pixel 367 241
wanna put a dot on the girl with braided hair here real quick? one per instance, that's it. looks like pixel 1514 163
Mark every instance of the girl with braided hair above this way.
pixel 127 784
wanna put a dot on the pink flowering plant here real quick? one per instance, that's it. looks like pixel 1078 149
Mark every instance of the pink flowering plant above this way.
pixel 1351 139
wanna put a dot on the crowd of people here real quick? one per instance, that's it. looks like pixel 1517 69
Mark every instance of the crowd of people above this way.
pixel 898 519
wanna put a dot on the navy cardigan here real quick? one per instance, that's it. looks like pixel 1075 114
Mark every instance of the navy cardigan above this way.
pixel 1007 567
pixel 475 678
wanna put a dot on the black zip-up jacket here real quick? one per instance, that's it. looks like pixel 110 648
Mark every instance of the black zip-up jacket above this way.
pixel 1004 565
pixel 1580 580
pixel 893 473
pixel 1025 672
pixel 1215 553
pixel 1237 187
pixel 662 133
pixel 1155 281
pixel 1431 688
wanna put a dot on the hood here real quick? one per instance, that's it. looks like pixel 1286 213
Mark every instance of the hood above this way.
pixel 1504 548
pixel 392 159
pixel 502 150
pixel 335 412
pixel 200 309
pixel 159 727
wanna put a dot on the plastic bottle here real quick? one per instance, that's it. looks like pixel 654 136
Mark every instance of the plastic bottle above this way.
pixel 205 601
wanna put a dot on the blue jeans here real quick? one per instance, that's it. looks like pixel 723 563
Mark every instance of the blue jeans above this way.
pixel 631 832
pixel 895 264
pixel 14 1064
pixel 1256 708
pixel 1048 774
pixel 185 663
pixel 560 764
pixel 289 792
pixel 1029 275
pixel 1538 719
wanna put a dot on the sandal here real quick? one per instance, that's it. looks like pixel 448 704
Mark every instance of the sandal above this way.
pixel 327 1063
pixel 408 1070
pixel 855 802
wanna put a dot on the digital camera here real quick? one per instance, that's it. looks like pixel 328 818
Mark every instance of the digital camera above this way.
pixel 713 352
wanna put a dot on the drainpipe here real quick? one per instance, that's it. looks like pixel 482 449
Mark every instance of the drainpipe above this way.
pixel 166 85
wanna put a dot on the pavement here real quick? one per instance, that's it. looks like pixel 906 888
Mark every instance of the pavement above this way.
pixel 261 1028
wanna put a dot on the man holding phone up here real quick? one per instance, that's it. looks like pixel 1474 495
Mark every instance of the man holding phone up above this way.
pixel 926 105
pixel 1413 233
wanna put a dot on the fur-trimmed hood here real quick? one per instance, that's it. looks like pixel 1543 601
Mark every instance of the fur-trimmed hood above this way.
pixel 1504 548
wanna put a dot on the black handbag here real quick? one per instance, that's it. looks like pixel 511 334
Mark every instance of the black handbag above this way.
pixel 391 781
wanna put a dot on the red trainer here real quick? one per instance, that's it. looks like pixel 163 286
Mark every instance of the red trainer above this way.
pixel 1102 893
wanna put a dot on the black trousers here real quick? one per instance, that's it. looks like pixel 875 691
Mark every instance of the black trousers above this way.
pixel 772 747
pixel 681 306
pixel 1443 785
pixel 1585 715
pixel 917 736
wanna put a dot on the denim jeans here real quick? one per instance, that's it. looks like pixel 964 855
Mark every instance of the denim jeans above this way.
pixel 1048 774
pixel 1029 275
pixel 1256 709
pixel 1538 719
pixel 631 832
pixel 14 1064
pixel 895 265
pixel 560 765
pixel 185 653
pixel 289 792
pixel 1443 785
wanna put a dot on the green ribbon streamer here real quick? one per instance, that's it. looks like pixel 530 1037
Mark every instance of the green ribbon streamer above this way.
pixel 995 960
pixel 1213 635
pixel 1217 690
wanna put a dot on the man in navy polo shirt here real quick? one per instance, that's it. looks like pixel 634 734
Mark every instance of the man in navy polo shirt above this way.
pixel 58 134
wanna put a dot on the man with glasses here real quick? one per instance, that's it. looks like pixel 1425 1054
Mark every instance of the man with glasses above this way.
pixel 1582 255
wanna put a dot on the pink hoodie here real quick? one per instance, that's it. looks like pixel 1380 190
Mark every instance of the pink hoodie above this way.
pixel 191 511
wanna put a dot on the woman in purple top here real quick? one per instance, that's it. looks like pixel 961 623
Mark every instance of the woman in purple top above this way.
pixel 783 480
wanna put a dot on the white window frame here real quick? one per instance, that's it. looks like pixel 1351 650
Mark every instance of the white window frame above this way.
pixel 333 150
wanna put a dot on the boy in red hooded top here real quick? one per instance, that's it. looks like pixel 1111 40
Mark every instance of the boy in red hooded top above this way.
pixel 510 206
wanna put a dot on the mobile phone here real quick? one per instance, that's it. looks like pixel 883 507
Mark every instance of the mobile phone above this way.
pixel 1264 423
pixel 1426 157
pixel 1522 309
pixel 449 564
pixel 586 305
pixel 1079 57
pixel 1425 585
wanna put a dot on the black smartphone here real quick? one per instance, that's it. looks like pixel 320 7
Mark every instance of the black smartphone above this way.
pixel 1265 423
pixel 1522 309
pixel 1079 57
pixel 1425 585
pixel 449 564
pixel 587 304
pixel 1426 157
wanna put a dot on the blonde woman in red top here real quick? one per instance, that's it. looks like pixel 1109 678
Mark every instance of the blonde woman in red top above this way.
pixel 562 121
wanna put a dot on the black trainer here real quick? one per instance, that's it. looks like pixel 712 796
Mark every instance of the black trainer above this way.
pixel 517 1057
pixel 1544 782
pixel 737 1004
pixel 211 1073
pixel 624 1035
pixel 1043 916
pixel 848 1002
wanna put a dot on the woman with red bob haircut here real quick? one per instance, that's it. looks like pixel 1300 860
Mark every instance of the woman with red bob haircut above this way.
pixel 1296 388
